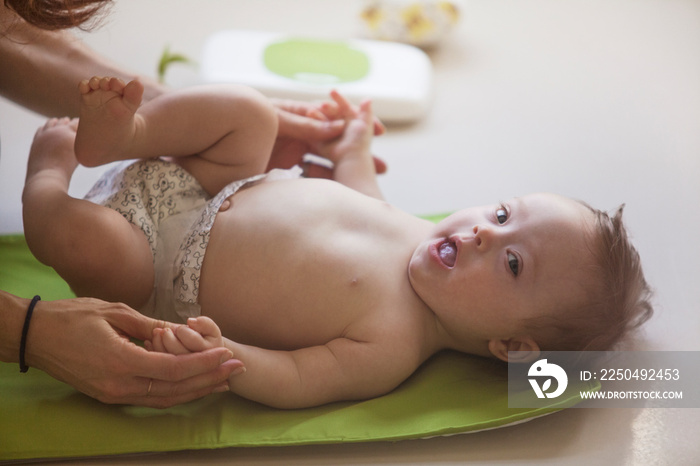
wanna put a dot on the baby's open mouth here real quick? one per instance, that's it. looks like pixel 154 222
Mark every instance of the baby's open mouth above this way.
pixel 448 253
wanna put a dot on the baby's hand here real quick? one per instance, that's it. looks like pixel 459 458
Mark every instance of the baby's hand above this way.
pixel 199 334
pixel 338 108
pixel 359 128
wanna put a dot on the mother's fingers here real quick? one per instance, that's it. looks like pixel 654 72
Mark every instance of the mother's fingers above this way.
pixel 157 393
pixel 210 380
pixel 164 394
pixel 157 397
pixel 173 368
pixel 305 128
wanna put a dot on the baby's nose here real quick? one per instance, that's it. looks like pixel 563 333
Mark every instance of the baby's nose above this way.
pixel 477 238
pixel 483 235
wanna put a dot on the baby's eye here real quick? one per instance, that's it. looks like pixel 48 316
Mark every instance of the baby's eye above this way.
pixel 501 214
pixel 513 263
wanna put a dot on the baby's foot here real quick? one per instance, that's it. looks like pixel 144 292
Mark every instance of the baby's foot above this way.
pixel 52 149
pixel 108 119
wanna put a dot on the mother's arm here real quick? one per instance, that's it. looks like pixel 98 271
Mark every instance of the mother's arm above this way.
pixel 41 69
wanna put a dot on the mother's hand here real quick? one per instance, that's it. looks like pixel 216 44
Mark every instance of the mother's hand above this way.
pixel 85 343
pixel 299 134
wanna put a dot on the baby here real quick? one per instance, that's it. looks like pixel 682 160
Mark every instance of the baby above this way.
pixel 321 288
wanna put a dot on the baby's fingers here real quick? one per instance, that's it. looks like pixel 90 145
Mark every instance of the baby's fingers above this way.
pixel 345 108
pixel 192 339
pixel 316 114
pixel 205 326
pixel 366 113
pixel 169 341
pixel 156 342
pixel 324 111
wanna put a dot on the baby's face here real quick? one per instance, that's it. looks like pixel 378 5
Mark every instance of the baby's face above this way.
pixel 485 269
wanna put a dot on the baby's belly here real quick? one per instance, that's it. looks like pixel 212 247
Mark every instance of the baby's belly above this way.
pixel 282 303
pixel 284 271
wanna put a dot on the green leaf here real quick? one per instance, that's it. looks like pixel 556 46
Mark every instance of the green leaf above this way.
pixel 167 58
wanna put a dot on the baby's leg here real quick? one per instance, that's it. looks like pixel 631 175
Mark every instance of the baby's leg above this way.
pixel 96 250
pixel 245 125
pixel 222 133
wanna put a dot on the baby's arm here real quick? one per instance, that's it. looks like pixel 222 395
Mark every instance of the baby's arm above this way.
pixel 354 165
pixel 342 369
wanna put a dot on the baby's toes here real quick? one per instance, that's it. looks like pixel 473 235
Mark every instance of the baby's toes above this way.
pixel 95 82
pixel 116 85
pixel 84 86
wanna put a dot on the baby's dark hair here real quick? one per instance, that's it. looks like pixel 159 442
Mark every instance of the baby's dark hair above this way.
pixel 59 14
pixel 619 296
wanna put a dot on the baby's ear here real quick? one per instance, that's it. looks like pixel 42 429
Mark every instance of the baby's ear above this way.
pixel 528 349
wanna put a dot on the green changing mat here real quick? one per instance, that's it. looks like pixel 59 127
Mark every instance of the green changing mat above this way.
pixel 43 418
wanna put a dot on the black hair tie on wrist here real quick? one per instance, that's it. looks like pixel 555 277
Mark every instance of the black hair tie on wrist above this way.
pixel 23 342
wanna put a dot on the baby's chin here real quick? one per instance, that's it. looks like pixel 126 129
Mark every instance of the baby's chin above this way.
pixel 417 265
pixel 412 265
